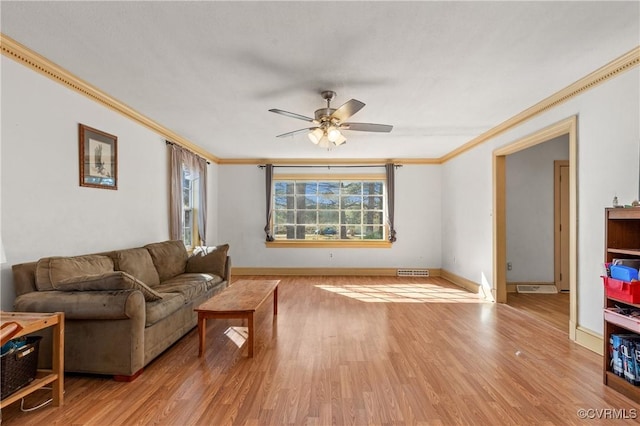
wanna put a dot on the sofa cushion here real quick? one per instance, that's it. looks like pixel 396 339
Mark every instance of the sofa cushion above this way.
pixel 138 263
pixel 160 309
pixel 116 280
pixel 191 286
pixel 169 258
pixel 52 270
pixel 208 259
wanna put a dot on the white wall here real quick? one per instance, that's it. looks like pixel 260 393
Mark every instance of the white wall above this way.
pixel 417 216
pixel 608 139
pixel 530 210
pixel 44 210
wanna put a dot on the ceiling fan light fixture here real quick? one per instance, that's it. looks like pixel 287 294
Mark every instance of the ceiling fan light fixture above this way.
pixel 333 134
pixel 340 140
pixel 316 135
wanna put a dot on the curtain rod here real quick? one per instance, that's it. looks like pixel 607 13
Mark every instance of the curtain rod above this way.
pixel 173 143
pixel 262 166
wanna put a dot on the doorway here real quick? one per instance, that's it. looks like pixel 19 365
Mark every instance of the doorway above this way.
pixel 565 127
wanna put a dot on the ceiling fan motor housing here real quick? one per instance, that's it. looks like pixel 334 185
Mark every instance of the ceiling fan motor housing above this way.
pixel 323 114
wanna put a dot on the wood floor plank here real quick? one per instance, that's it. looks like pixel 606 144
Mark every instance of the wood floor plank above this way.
pixel 357 351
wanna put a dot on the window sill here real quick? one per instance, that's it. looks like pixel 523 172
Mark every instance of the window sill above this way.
pixel 327 244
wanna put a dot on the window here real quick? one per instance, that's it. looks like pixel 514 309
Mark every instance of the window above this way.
pixel 345 209
pixel 189 203
pixel 187 196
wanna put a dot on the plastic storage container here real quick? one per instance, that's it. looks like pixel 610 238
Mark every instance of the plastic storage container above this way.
pixel 622 290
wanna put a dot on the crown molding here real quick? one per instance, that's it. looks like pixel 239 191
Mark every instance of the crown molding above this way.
pixel 624 63
pixel 33 60
pixel 22 54
pixel 326 161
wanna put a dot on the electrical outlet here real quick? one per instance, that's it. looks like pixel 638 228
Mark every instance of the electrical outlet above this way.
pixel 509 266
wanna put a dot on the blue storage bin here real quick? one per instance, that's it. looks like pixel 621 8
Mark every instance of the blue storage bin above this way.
pixel 623 272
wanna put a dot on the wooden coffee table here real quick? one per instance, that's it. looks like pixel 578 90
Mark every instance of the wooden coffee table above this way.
pixel 240 300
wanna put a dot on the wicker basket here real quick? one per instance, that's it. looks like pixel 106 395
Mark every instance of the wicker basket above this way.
pixel 19 367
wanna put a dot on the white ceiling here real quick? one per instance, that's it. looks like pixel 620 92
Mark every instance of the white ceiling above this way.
pixel 440 72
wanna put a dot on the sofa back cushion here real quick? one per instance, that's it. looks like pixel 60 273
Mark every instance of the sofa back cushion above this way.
pixel 210 260
pixel 137 262
pixel 110 281
pixel 169 258
pixel 52 270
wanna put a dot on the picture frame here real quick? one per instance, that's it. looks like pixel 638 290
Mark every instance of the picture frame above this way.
pixel 98 158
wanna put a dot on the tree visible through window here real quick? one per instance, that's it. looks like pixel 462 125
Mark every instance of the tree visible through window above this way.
pixel 329 210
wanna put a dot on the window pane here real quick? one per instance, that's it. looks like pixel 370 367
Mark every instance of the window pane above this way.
pixel 372 203
pixel 306 217
pixel 352 217
pixel 186 197
pixel 354 232
pixel 284 216
pixel 373 232
pixel 373 218
pixel 283 202
pixel 372 188
pixel 329 188
pixel 283 188
pixel 306 202
pixel 187 237
pixel 351 202
pixel 280 232
pixel 328 217
pixel 351 187
pixel 328 202
pixel 306 188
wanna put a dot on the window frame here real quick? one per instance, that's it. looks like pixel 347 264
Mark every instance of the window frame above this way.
pixel 337 243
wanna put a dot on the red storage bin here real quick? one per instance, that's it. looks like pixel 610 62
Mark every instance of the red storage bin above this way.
pixel 622 290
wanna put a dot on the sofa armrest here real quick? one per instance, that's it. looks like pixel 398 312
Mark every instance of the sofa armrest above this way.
pixel 82 305
pixel 227 270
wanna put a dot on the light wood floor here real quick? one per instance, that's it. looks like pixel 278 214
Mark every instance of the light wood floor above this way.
pixel 346 350
pixel 552 308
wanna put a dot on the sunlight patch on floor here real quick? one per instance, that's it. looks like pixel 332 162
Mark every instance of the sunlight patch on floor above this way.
pixel 404 293
pixel 238 335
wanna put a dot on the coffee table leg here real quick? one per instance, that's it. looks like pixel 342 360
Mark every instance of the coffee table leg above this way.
pixel 202 321
pixel 250 340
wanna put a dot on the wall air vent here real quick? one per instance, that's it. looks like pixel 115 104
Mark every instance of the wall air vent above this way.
pixel 412 272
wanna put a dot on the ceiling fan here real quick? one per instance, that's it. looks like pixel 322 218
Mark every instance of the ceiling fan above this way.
pixel 329 122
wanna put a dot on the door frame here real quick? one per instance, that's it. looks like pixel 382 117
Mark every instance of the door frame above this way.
pixel 566 126
pixel 557 219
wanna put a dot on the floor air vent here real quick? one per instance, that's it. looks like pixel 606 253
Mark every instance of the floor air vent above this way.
pixel 413 272
pixel 542 289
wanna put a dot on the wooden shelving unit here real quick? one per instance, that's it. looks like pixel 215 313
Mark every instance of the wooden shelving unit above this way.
pixel 32 322
pixel 622 240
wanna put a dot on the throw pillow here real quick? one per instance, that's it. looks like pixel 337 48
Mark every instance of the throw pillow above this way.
pixel 51 270
pixel 210 260
pixel 169 258
pixel 138 263
pixel 117 280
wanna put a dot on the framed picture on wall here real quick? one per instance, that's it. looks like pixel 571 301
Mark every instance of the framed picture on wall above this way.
pixel 98 158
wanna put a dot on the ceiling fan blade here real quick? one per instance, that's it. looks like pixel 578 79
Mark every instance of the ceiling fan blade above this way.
pixel 291 114
pixel 347 109
pixel 295 132
pixel 367 127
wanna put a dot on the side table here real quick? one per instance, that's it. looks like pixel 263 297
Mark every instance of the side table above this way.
pixel 30 323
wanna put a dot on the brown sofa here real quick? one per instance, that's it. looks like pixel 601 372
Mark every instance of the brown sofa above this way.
pixel 122 308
